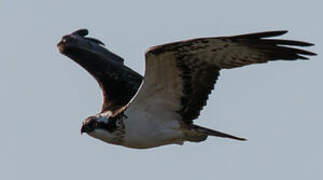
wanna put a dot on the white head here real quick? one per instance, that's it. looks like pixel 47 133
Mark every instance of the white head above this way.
pixel 102 127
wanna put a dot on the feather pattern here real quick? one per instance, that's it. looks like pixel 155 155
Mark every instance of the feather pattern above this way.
pixel 182 74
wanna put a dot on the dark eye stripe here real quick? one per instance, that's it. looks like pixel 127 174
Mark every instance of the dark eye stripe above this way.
pixel 110 126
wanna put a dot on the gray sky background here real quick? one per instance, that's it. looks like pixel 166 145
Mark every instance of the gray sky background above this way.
pixel 45 96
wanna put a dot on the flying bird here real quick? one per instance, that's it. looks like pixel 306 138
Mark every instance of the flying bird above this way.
pixel 159 108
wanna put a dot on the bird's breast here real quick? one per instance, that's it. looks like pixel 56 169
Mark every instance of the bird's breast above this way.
pixel 146 130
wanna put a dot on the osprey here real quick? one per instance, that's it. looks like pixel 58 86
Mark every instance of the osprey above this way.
pixel 159 109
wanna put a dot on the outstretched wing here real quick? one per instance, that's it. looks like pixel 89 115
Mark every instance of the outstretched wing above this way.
pixel 180 76
pixel 118 82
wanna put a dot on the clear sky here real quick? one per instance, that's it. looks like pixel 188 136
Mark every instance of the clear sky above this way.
pixel 45 96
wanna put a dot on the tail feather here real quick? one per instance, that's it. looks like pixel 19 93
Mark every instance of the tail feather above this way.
pixel 211 132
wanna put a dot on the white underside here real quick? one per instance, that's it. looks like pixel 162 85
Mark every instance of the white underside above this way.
pixel 145 129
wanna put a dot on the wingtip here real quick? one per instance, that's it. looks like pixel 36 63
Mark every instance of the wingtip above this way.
pixel 308 44
pixel 260 35
pixel 277 32
pixel 82 32
pixel 273 33
pixel 241 139
pixel 284 31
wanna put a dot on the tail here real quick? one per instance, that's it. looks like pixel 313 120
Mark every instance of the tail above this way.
pixel 210 132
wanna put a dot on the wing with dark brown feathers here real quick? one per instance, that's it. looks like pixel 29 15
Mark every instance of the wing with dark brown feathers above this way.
pixel 180 76
pixel 118 82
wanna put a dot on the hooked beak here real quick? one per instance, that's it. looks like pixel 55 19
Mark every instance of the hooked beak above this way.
pixel 83 129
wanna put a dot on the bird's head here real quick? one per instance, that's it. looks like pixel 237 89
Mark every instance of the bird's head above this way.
pixel 101 127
